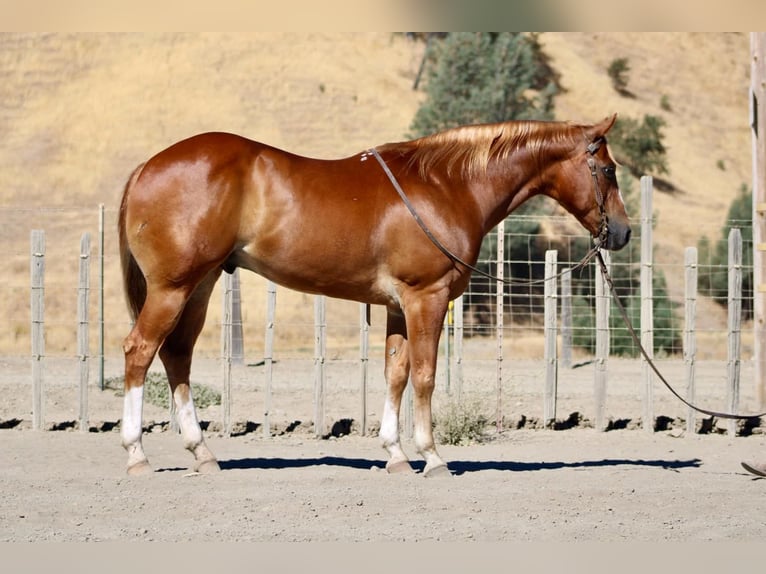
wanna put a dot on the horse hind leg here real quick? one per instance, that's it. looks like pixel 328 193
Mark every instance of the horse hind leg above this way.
pixel 176 356
pixel 156 319
pixel 397 370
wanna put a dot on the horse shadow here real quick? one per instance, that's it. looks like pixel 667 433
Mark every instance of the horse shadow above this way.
pixel 457 467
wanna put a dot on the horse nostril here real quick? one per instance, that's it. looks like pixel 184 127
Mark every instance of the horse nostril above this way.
pixel 628 233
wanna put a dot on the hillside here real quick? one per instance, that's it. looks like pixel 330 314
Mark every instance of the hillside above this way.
pixel 78 112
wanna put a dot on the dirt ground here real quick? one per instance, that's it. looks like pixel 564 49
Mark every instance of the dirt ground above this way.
pixel 521 484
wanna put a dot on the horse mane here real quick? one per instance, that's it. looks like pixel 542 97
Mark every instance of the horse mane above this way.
pixel 470 149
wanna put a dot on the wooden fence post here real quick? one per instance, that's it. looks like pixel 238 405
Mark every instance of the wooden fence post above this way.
pixel 83 330
pixel 567 327
pixel 268 354
pixel 647 302
pixel 603 301
pixel 459 346
pixel 758 137
pixel 551 332
pixel 237 337
pixel 101 281
pixel 37 271
pixel 447 348
pixel 690 336
pixel 320 351
pixel 364 358
pixel 734 325
pixel 500 297
pixel 226 333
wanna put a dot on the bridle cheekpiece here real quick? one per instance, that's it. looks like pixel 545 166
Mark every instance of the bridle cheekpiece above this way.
pixel 603 231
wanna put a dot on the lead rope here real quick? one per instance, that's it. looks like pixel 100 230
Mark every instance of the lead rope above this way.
pixel 637 341
pixel 594 252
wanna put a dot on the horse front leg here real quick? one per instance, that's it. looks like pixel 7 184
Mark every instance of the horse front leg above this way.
pixel 424 323
pixel 397 371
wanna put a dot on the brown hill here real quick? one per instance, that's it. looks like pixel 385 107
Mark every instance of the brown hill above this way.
pixel 79 111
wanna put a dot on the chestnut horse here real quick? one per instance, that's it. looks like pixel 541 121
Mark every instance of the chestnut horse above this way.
pixel 217 201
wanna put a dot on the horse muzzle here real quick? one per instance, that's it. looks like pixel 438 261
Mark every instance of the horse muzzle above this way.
pixel 617 237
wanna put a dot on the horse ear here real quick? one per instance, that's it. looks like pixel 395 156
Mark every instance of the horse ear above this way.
pixel 600 129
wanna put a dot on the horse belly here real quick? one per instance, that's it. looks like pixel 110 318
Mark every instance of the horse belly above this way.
pixel 345 275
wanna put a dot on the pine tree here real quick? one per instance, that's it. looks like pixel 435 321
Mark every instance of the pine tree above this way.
pixel 493 77
pixel 639 145
pixel 480 77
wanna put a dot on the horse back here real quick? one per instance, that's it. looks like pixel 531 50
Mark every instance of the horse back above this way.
pixel 335 227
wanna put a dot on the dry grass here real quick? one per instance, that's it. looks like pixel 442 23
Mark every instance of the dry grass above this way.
pixel 78 112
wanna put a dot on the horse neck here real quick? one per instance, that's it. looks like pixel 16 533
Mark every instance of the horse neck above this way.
pixel 511 181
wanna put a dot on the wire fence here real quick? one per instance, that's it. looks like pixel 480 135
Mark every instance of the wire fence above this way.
pixel 526 239
pixel 519 330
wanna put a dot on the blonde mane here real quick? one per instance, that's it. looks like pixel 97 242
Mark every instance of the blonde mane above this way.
pixel 470 149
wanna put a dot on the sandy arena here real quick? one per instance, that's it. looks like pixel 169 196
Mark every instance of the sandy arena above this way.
pixel 526 484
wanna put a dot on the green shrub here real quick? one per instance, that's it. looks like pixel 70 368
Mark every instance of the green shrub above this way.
pixel 618 73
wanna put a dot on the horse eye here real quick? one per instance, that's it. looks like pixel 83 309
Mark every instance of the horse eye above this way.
pixel 609 172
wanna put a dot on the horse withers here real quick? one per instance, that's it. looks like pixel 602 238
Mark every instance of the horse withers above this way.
pixel 218 201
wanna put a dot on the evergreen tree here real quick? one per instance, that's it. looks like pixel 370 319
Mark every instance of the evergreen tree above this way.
pixel 713 275
pixel 639 145
pixel 493 77
pixel 480 77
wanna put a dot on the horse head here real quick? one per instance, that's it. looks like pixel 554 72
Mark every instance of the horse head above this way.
pixel 586 185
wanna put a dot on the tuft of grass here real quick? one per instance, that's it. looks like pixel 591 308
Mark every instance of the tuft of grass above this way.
pixel 460 422
pixel 156 391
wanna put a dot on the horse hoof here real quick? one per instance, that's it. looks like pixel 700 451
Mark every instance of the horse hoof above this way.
pixel 207 467
pixel 437 471
pixel 399 467
pixel 140 469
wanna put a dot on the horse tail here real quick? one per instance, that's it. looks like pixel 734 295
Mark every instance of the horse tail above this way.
pixel 134 282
